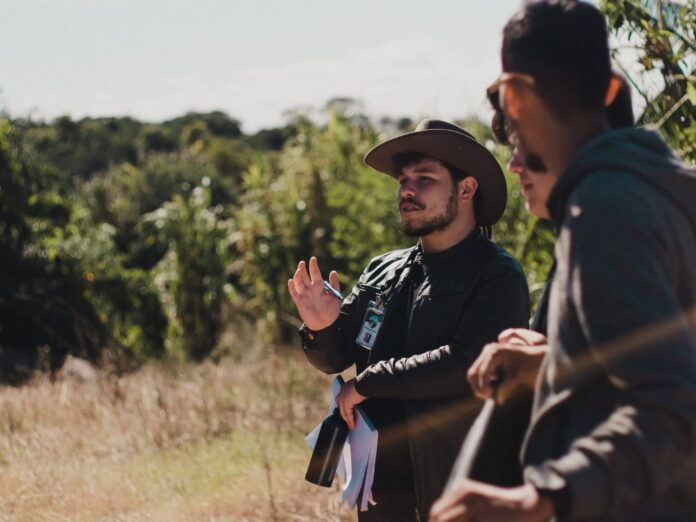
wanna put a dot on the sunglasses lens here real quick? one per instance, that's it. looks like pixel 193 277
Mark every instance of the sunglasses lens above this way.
pixel 494 98
pixel 500 128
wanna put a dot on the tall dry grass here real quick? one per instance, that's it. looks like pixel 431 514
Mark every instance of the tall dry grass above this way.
pixel 208 442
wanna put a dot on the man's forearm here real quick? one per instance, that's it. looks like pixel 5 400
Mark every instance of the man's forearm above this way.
pixel 430 375
pixel 328 349
pixel 629 457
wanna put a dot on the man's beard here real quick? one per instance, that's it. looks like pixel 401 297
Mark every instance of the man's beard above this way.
pixel 434 223
pixel 506 130
pixel 534 163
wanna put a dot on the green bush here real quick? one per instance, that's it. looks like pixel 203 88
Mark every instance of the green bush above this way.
pixel 192 276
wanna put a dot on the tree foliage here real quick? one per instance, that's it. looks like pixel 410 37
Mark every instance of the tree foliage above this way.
pixel 192 275
pixel 315 198
pixel 125 241
pixel 664 35
pixel 42 299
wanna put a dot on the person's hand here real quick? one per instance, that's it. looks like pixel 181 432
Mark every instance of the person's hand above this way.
pixel 317 307
pixel 522 336
pixel 347 399
pixel 515 358
pixel 470 501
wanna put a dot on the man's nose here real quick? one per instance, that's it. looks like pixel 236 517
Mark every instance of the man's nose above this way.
pixel 516 165
pixel 407 190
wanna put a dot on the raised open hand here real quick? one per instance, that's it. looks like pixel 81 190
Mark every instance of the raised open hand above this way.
pixel 317 307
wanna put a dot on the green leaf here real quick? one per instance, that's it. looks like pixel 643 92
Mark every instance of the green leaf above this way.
pixel 691 92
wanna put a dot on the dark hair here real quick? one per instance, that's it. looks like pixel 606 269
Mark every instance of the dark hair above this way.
pixel 620 111
pixel 406 159
pixel 564 45
pixel 619 114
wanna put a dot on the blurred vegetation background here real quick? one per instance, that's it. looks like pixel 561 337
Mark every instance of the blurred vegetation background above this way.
pixel 125 241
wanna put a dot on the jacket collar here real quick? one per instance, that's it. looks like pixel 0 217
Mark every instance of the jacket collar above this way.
pixel 453 254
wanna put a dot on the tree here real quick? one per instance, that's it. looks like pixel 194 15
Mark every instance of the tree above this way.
pixel 79 149
pixel 154 139
pixel 664 35
pixel 315 198
pixel 217 123
pixel 192 276
pixel 43 306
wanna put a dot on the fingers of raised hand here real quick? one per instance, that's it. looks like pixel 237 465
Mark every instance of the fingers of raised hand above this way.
pixel 303 284
pixel 314 272
pixel 333 280
pixel 302 275
pixel 299 285
pixel 292 291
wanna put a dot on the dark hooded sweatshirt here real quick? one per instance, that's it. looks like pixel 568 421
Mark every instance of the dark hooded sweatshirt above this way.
pixel 613 430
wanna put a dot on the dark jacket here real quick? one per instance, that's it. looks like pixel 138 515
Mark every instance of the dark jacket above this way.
pixel 613 431
pixel 540 319
pixel 464 298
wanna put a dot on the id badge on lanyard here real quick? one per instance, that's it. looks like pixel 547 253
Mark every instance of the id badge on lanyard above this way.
pixel 374 317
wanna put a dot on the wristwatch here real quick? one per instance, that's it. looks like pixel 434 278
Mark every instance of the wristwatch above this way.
pixel 306 333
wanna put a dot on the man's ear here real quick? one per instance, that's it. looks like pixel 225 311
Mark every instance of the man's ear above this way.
pixel 467 188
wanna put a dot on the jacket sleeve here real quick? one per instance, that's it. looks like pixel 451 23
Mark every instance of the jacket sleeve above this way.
pixel 622 277
pixel 500 301
pixel 329 350
pixel 332 349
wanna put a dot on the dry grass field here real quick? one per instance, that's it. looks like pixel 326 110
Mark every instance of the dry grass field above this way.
pixel 209 442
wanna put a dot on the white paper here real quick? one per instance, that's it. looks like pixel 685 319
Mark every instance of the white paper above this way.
pixel 357 464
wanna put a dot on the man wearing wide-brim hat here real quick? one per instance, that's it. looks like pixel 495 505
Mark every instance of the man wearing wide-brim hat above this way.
pixel 438 302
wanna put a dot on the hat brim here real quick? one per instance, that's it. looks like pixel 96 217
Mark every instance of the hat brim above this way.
pixel 456 149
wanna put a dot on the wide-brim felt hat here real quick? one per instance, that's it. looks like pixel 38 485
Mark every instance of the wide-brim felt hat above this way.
pixel 451 144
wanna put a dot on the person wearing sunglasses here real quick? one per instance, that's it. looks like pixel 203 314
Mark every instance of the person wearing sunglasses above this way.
pixel 613 429
pixel 518 353
pixel 619 112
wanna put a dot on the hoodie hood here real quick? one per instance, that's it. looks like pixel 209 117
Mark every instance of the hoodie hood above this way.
pixel 637 151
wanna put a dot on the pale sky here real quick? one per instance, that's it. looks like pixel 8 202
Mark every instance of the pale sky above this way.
pixel 156 59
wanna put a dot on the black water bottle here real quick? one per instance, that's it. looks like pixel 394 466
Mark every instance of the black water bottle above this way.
pixel 327 451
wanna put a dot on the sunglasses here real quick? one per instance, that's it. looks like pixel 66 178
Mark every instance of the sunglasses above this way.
pixel 501 128
pixel 493 90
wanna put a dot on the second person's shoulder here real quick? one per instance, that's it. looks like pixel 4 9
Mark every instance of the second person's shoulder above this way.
pixel 497 260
